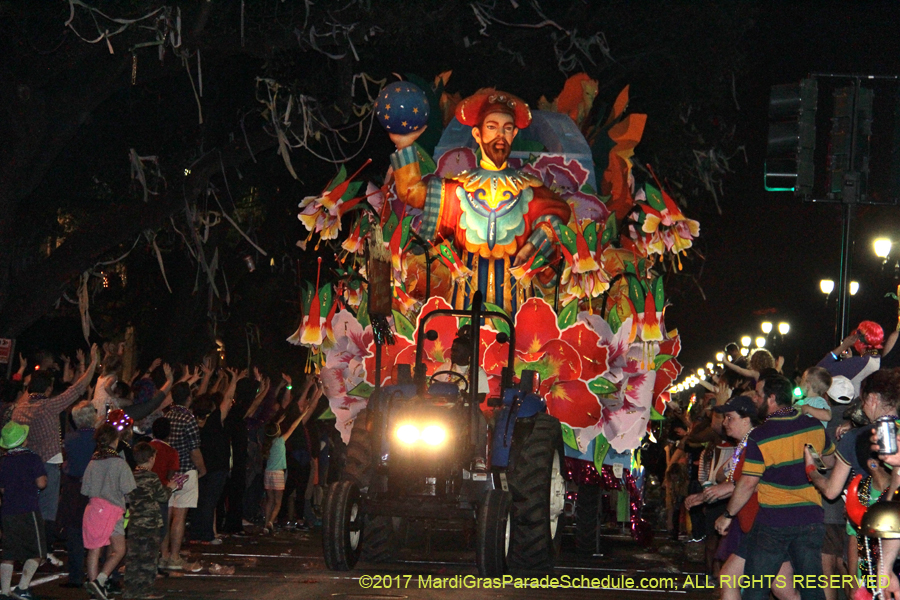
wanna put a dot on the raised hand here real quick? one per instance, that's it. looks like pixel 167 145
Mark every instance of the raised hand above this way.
pixel 167 369
pixel 156 362
pixel 79 356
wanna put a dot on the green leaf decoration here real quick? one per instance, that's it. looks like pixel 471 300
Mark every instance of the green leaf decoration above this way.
pixel 569 437
pixel 498 324
pixel 659 294
pixel 390 226
pixel 568 315
pixel 635 293
pixel 403 326
pixel 655 416
pixel 660 360
pixel 427 165
pixel 587 189
pixel 362 390
pixel 327 415
pixel 614 320
pixel 590 235
pixel 654 198
pixel 568 238
pixel 610 231
pixel 602 386
pixel 339 178
pixel 892 295
pixel 352 189
pixel 362 315
pixel 601 448
pixel 404 237
pixel 325 298
pixel 306 298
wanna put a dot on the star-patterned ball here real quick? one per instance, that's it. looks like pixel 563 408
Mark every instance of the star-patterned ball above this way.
pixel 402 107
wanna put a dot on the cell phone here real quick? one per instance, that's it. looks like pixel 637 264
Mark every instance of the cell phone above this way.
pixel 817 460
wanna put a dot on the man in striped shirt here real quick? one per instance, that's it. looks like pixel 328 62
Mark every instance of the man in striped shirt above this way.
pixel 790 522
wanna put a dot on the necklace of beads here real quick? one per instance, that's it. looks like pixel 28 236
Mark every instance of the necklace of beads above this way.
pixel 731 467
pixel 780 412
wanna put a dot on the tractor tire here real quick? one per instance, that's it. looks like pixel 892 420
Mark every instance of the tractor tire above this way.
pixel 359 465
pixel 493 533
pixel 538 493
pixel 587 520
pixel 378 539
pixel 342 526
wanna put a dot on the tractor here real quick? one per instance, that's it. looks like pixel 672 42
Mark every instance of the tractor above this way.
pixel 413 454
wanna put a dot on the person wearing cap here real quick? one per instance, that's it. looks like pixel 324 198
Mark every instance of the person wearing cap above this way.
pixel 867 341
pixel 22 476
pixel 790 521
pixel 497 216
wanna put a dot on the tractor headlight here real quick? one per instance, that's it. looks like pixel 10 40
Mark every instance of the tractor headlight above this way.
pixel 408 434
pixel 431 435
pixel 434 435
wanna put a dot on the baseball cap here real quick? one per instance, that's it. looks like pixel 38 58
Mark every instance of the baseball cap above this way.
pixel 841 390
pixel 743 405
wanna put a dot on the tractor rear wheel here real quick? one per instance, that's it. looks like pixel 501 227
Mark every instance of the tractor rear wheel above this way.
pixel 538 491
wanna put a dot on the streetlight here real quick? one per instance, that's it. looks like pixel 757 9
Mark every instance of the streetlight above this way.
pixel 746 341
pixel 882 247
pixel 701 373
pixel 760 342
pixel 745 351
pixel 854 287
pixel 766 327
pixel 783 328
pixel 827 286
pixel 720 356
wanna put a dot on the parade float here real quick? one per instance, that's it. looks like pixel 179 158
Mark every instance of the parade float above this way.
pixel 586 309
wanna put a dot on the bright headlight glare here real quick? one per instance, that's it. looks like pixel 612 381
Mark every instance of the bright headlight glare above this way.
pixel 434 435
pixel 408 434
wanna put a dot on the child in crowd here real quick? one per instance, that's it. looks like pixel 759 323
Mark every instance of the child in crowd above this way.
pixel 107 481
pixel 814 384
pixel 166 464
pixel 275 453
pixel 22 476
pixel 145 524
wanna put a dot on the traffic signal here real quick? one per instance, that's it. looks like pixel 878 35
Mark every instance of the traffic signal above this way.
pixel 848 152
pixel 792 138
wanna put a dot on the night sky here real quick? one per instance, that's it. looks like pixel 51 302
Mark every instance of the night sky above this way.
pixel 768 251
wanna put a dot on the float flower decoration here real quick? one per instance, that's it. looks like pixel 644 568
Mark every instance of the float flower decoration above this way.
pixel 569 179
pixel 581 248
pixel 318 305
pixel 344 373
pixel 322 214
pixel 665 226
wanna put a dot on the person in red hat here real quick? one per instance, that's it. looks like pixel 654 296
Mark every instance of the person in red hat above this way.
pixel 498 217
pixel 867 340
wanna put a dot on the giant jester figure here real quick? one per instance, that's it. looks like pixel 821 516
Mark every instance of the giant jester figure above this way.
pixel 497 216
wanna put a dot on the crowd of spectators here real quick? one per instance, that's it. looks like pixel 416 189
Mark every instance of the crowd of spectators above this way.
pixel 191 452
pixel 759 465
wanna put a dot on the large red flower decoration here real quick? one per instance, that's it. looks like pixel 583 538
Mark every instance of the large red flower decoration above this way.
pixel 574 404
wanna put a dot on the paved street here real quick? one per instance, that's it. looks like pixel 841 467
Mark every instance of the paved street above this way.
pixel 289 565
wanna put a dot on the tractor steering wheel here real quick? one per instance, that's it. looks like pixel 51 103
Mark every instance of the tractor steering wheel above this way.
pixel 459 378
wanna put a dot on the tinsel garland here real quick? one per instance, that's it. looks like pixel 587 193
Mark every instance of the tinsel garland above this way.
pixel 585 473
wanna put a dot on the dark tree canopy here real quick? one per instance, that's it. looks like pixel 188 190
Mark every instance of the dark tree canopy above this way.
pixel 105 153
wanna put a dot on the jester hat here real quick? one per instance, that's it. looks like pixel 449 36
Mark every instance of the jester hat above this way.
pixel 473 110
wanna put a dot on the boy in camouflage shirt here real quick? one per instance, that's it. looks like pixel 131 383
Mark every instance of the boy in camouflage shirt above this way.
pixel 144 524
